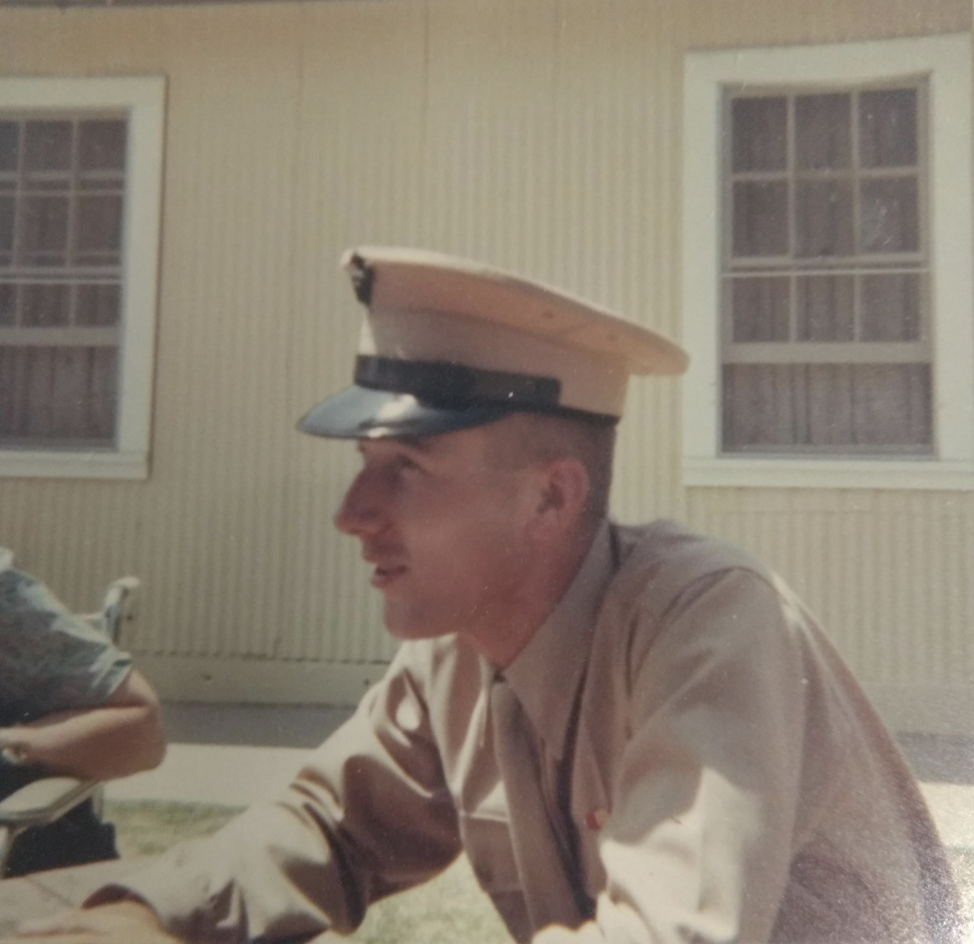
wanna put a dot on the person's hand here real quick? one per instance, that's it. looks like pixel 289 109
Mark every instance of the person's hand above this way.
pixel 123 922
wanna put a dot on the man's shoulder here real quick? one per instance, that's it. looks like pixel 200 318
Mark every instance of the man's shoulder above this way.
pixel 658 561
pixel 676 590
pixel 666 542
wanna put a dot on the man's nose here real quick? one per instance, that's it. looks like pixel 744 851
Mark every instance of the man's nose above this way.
pixel 360 511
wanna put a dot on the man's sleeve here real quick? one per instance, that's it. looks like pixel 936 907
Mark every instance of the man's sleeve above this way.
pixel 697 845
pixel 368 815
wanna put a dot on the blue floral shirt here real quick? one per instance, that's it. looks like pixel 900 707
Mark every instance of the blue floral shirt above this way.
pixel 50 659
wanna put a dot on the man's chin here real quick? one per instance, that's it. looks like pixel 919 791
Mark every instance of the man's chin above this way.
pixel 407 626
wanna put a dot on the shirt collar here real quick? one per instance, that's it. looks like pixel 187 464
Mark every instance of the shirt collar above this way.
pixel 546 673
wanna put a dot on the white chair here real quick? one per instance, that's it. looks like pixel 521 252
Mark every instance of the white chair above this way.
pixel 43 801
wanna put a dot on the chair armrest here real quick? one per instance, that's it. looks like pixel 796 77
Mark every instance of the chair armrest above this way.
pixel 116 606
pixel 43 801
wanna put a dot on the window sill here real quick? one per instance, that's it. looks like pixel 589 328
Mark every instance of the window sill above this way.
pixel 763 472
pixel 73 465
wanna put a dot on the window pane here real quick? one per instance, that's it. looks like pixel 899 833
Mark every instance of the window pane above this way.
pixel 12 365
pixel 58 394
pixel 888 128
pixel 760 219
pixel 9 145
pixel 827 408
pixel 99 224
pixel 48 145
pixel 760 309
pixel 46 306
pixel 759 406
pixel 891 404
pixel 759 134
pixel 826 306
pixel 71 393
pixel 890 307
pixel 6 224
pixel 103 394
pixel 44 230
pixel 826 395
pixel 8 304
pixel 101 145
pixel 824 218
pixel 890 215
pixel 98 304
pixel 823 131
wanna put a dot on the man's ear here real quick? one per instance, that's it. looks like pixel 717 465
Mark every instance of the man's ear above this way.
pixel 563 488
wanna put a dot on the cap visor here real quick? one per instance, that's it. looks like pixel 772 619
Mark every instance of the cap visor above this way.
pixel 362 413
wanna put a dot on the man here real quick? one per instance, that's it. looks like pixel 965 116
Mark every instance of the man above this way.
pixel 635 734
pixel 70 703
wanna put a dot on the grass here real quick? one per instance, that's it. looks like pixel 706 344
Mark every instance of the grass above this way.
pixel 448 909
pixel 148 828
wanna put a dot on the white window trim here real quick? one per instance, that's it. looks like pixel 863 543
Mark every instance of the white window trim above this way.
pixel 143 98
pixel 946 60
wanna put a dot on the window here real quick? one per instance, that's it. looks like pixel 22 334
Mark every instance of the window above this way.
pixel 831 346
pixel 824 283
pixel 80 163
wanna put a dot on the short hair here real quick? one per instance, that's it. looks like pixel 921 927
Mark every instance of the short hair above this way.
pixel 523 439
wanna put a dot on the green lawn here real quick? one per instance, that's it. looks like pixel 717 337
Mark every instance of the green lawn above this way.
pixel 449 909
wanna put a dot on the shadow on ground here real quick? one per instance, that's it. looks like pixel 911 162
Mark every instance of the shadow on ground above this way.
pixel 937 758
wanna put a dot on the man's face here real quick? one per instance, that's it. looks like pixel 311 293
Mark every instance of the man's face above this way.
pixel 445 531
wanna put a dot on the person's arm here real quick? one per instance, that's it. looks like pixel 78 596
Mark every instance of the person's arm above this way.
pixel 367 816
pixel 118 738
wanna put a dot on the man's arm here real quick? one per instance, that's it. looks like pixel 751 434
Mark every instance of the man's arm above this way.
pixel 118 738
pixel 757 793
pixel 369 815
pixel 125 922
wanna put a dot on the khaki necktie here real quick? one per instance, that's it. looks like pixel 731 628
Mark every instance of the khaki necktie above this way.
pixel 549 891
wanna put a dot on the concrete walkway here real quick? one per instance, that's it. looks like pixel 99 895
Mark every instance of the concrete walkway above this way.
pixel 230 755
pixel 234 755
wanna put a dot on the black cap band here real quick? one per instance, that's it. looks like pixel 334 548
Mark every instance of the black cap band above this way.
pixel 446 384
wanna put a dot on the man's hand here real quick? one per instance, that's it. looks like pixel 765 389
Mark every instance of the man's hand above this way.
pixel 124 922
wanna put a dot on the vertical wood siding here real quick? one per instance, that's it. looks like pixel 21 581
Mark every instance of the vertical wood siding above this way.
pixel 541 136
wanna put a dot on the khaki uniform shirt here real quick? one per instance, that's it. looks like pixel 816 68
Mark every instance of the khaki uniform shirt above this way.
pixel 714 771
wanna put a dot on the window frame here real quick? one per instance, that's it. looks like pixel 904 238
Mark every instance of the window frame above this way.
pixel 945 62
pixel 142 99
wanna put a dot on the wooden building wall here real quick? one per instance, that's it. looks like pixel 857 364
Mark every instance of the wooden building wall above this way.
pixel 543 137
